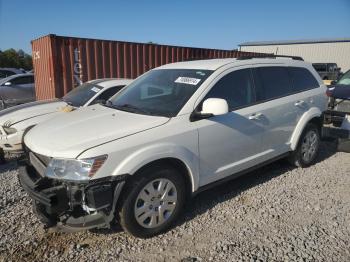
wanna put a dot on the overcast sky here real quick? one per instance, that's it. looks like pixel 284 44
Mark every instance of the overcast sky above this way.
pixel 210 24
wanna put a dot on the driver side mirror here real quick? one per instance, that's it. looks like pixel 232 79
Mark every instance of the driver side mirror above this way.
pixel 211 107
pixel 8 84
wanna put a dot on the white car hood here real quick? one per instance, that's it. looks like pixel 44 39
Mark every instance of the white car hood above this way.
pixel 16 114
pixel 68 135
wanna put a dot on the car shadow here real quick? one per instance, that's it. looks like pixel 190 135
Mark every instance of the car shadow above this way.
pixel 208 199
pixel 8 166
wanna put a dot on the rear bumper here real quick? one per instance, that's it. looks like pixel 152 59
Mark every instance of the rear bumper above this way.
pixel 71 206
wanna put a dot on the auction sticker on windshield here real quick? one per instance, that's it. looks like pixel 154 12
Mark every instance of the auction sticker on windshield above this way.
pixel 95 89
pixel 187 80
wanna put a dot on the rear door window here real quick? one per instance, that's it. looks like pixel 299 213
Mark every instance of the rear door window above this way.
pixel 236 88
pixel 272 82
pixel 302 79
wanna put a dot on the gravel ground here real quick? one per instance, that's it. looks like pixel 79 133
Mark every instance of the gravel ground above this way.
pixel 277 213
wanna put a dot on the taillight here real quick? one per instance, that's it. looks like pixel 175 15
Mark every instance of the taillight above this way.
pixel 329 91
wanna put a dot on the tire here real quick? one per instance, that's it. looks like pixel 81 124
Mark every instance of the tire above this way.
pixel 2 104
pixel 2 157
pixel 308 146
pixel 140 213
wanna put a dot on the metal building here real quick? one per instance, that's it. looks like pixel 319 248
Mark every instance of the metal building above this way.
pixel 335 50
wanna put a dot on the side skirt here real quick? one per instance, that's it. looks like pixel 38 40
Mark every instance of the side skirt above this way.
pixel 238 174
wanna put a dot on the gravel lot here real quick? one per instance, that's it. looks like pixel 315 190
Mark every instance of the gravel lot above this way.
pixel 277 213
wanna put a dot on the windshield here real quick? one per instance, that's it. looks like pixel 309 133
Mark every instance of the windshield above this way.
pixel 160 92
pixel 345 79
pixel 81 94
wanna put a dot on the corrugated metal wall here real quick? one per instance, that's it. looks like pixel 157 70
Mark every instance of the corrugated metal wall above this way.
pixel 61 63
pixel 338 52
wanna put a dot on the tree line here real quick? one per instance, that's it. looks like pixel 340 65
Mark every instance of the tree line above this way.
pixel 16 59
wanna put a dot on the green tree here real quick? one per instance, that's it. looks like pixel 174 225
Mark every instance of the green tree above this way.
pixel 16 59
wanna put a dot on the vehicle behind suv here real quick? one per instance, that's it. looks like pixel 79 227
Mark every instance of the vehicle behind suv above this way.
pixel 6 72
pixel 327 71
pixel 16 89
pixel 17 120
pixel 173 132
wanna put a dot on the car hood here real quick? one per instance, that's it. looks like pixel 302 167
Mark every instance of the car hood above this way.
pixel 68 135
pixel 16 114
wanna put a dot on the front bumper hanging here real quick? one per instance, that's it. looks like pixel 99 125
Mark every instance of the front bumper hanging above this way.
pixel 72 206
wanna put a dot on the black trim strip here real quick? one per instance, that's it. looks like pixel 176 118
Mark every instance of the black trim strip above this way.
pixel 238 174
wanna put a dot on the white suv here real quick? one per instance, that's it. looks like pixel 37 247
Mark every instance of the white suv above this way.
pixel 174 131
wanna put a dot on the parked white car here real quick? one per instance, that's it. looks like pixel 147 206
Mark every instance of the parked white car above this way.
pixel 176 130
pixel 16 121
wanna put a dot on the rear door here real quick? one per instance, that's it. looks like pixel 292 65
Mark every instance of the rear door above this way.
pixel 304 81
pixel 20 91
pixel 279 109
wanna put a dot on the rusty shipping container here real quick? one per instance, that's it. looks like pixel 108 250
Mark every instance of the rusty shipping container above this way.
pixel 62 63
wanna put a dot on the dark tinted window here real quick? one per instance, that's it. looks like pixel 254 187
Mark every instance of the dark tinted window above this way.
pixel 320 67
pixel 107 94
pixel 272 82
pixel 236 87
pixel 6 73
pixel 22 80
pixel 302 79
pixel 80 95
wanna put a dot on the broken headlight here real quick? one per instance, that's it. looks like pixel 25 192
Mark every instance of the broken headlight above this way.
pixel 74 169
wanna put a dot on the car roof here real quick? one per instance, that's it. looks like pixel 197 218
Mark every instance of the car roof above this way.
pixel 214 64
pixel 110 82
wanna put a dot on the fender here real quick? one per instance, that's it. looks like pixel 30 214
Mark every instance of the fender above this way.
pixel 132 163
pixel 303 121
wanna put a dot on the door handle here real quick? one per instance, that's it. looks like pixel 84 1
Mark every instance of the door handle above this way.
pixel 299 103
pixel 255 116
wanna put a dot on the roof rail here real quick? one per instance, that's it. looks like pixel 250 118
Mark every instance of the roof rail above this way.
pixel 270 56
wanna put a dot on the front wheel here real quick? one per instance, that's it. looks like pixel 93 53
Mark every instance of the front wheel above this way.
pixel 154 200
pixel 308 147
pixel 2 104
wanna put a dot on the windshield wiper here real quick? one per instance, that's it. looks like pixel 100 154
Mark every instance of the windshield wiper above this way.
pixel 132 108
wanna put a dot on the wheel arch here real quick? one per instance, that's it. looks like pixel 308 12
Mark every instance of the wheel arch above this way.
pixel 313 115
pixel 175 163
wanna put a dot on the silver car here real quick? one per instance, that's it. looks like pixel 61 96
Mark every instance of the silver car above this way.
pixel 16 89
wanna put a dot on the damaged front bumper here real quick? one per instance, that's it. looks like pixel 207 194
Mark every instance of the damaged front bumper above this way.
pixel 72 206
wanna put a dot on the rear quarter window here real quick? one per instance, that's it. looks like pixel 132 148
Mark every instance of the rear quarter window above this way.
pixel 302 79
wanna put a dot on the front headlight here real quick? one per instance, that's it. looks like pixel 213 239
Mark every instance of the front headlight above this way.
pixel 73 169
pixel 10 130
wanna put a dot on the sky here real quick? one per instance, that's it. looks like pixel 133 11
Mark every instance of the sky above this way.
pixel 221 24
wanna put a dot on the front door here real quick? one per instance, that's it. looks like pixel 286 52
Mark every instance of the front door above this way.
pixel 230 143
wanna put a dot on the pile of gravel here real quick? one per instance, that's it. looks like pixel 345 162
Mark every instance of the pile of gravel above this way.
pixel 277 213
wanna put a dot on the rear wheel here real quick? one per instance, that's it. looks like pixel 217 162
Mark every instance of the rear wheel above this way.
pixel 154 200
pixel 308 147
